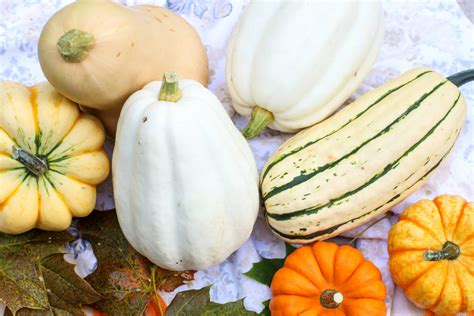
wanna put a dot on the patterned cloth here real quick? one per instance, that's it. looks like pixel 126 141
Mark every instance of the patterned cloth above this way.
pixel 418 33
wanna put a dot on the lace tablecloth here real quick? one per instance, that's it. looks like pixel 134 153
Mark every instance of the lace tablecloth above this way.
pixel 429 33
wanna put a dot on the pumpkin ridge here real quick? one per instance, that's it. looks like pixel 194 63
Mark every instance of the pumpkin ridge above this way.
pixel 372 279
pixel 315 252
pixel 71 177
pixel 412 282
pixel 5 155
pixel 58 143
pixel 440 296
pixel 443 224
pixel 34 109
pixel 353 271
pixel 304 276
pixel 10 170
pixel 468 255
pixel 461 290
pixel 38 195
pixel 468 238
pixel 396 251
pixel 9 136
pixel 7 199
pixel 419 225
pixel 461 213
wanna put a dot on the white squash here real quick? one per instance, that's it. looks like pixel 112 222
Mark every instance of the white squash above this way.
pixel 185 180
pixel 290 64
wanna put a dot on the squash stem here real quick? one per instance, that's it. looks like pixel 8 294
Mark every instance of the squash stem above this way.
pixel 462 77
pixel 32 163
pixel 170 88
pixel 258 121
pixel 450 251
pixel 331 298
pixel 74 45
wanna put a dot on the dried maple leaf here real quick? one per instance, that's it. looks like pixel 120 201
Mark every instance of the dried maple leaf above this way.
pixel 198 302
pixel 125 278
pixel 34 278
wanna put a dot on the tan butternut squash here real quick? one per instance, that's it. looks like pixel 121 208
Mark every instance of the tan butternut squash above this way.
pixel 97 52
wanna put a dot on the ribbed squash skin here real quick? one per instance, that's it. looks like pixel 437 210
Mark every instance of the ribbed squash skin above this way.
pixel 300 60
pixel 185 180
pixel 368 157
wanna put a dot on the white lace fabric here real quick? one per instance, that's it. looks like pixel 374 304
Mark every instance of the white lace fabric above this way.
pixel 436 34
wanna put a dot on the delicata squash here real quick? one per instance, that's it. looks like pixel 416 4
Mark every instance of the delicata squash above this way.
pixel 366 158
pixel 51 159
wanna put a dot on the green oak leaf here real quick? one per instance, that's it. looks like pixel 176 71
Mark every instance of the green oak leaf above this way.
pixel 198 302
pixel 35 279
pixel 264 270
pixel 125 278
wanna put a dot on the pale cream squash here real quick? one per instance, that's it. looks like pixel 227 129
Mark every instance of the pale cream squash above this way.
pixel 290 64
pixel 185 180
pixel 51 159
pixel 98 52
pixel 366 158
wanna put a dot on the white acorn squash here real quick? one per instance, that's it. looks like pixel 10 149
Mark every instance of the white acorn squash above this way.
pixel 290 64
pixel 185 180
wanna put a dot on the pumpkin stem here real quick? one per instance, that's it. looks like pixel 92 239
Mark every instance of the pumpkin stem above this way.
pixel 331 298
pixel 258 121
pixel 450 251
pixel 36 165
pixel 462 77
pixel 74 45
pixel 170 88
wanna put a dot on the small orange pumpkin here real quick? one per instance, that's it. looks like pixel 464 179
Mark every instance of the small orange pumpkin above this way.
pixel 431 251
pixel 327 279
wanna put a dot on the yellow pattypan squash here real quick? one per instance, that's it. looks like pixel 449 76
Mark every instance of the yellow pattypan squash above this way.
pixel 51 159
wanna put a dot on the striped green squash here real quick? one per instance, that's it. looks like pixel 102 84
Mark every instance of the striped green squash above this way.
pixel 366 158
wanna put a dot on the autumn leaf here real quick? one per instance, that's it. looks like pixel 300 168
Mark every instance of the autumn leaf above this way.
pixel 266 308
pixel 35 279
pixel 264 270
pixel 125 278
pixel 198 302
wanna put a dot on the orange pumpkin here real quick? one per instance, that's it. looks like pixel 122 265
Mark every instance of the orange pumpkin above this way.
pixel 431 251
pixel 327 279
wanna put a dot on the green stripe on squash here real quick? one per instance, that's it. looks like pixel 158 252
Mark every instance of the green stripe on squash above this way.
pixel 296 150
pixel 304 177
pixel 386 170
